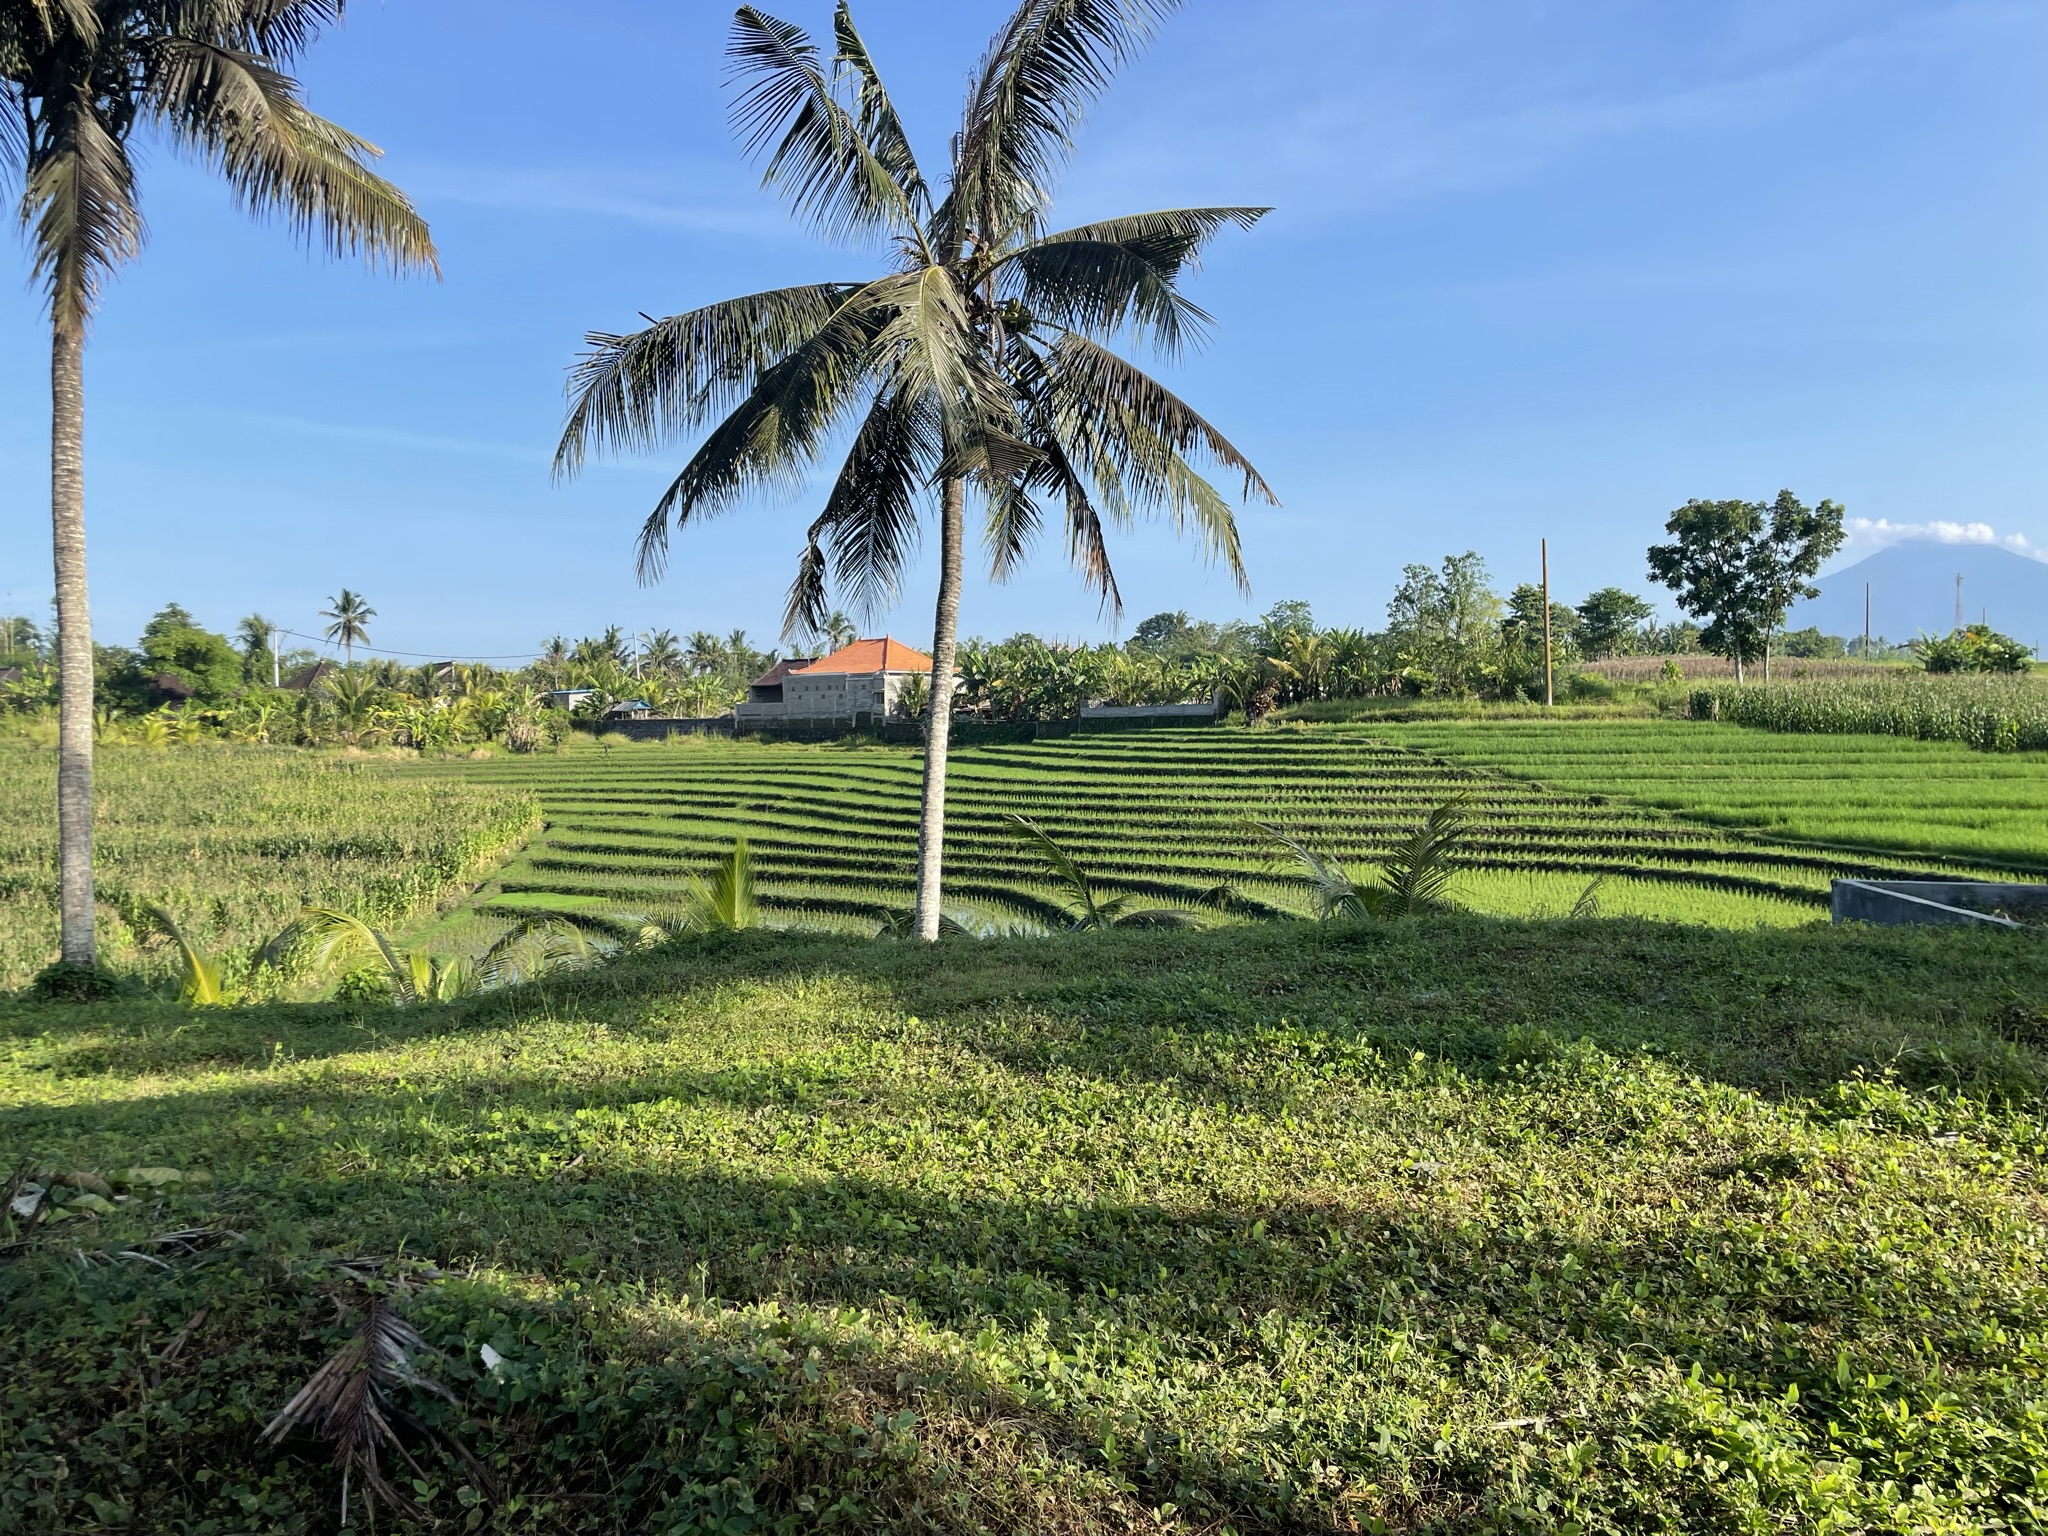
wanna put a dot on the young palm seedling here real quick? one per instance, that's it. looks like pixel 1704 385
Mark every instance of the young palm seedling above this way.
pixel 1084 908
pixel 1415 877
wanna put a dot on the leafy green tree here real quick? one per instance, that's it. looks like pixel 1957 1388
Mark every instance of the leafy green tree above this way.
pixel 1810 644
pixel 78 80
pixel 975 362
pixel 1741 564
pixel 1166 632
pixel 1610 622
pixel 204 662
pixel 20 640
pixel 1446 620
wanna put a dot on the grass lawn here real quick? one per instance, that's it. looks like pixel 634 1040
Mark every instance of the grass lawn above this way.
pixel 1876 792
pixel 1451 1225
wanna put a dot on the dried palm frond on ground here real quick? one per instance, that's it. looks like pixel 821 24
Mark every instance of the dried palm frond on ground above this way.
pixel 352 1401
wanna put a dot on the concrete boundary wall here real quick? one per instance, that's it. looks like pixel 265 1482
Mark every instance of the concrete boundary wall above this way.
pixel 1967 903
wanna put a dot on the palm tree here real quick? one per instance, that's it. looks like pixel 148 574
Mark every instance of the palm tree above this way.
pixel 258 635
pixel 975 361
pixel 839 631
pixel 553 660
pixel 706 653
pixel 77 79
pixel 660 654
pixel 351 613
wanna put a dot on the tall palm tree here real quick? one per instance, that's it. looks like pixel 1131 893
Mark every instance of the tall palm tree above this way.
pixel 351 613
pixel 706 653
pixel 977 361
pixel 78 78
pixel 838 631
pixel 660 654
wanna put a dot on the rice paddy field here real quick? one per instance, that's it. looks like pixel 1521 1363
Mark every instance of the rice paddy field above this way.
pixel 1160 814
pixel 235 840
pixel 1885 794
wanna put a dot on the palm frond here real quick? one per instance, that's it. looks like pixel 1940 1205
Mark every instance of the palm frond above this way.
pixel 1418 872
pixel 1587 907
pixel 352 1401
pixel 199 982
pixel 1012 526
pixel 1063 868
pixel 880 128
pixel 1034 85
pixel 545 943
pixel 632 392
pixel 725 901
pixel 794 406
pixel 1121 272
pixel 1088 374
pixel 870 522
pixel 1332 893
pixel 80 208
pixel 819 153
pixel 234 109
pixel 329 933
pixel 894 924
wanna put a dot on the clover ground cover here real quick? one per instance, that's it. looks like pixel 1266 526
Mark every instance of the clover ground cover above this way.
pixel 1451 1226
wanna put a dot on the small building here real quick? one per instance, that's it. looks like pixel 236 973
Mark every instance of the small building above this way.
pixel 567 698
pixel 303 679
pixel 629 709
pixel 857 684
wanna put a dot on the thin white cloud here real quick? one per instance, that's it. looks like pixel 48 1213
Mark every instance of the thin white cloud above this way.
pixel 1322 147
pixel 550 191
pixel 1874 533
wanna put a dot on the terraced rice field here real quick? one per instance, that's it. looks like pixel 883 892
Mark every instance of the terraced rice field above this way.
pixel 1899 797
pixel 1160 814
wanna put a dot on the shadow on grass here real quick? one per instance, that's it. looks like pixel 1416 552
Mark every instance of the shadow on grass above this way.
pixel 1127 1220
pixel 1769 1010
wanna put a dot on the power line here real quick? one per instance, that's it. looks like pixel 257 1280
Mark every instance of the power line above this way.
pixel 417 655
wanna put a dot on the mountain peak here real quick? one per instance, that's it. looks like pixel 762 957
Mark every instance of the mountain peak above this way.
pixel 1913 590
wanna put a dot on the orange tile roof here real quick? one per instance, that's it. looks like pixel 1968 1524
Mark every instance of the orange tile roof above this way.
pixel 873 656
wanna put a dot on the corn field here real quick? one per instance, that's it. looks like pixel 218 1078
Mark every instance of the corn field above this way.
pixel 1989 713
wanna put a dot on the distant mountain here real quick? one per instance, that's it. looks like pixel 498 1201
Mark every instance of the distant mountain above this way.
pixel 1913 588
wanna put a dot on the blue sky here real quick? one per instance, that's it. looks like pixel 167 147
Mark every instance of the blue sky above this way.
pixel 1536 269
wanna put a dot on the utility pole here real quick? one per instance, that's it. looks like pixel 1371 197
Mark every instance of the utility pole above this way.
pixel 1866 621
pixel 1959 599
pixel 275 682
pixel 1548 701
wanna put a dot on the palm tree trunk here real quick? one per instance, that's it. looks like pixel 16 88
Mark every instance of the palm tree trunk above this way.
pixel 931 827
pixel 74 645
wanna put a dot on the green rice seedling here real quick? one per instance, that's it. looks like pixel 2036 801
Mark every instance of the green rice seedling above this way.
pixel 233 841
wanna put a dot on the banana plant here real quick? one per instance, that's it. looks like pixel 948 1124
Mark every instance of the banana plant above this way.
pixel 1084 908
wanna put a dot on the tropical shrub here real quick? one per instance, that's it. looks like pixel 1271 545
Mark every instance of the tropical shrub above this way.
pixel 1973 648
